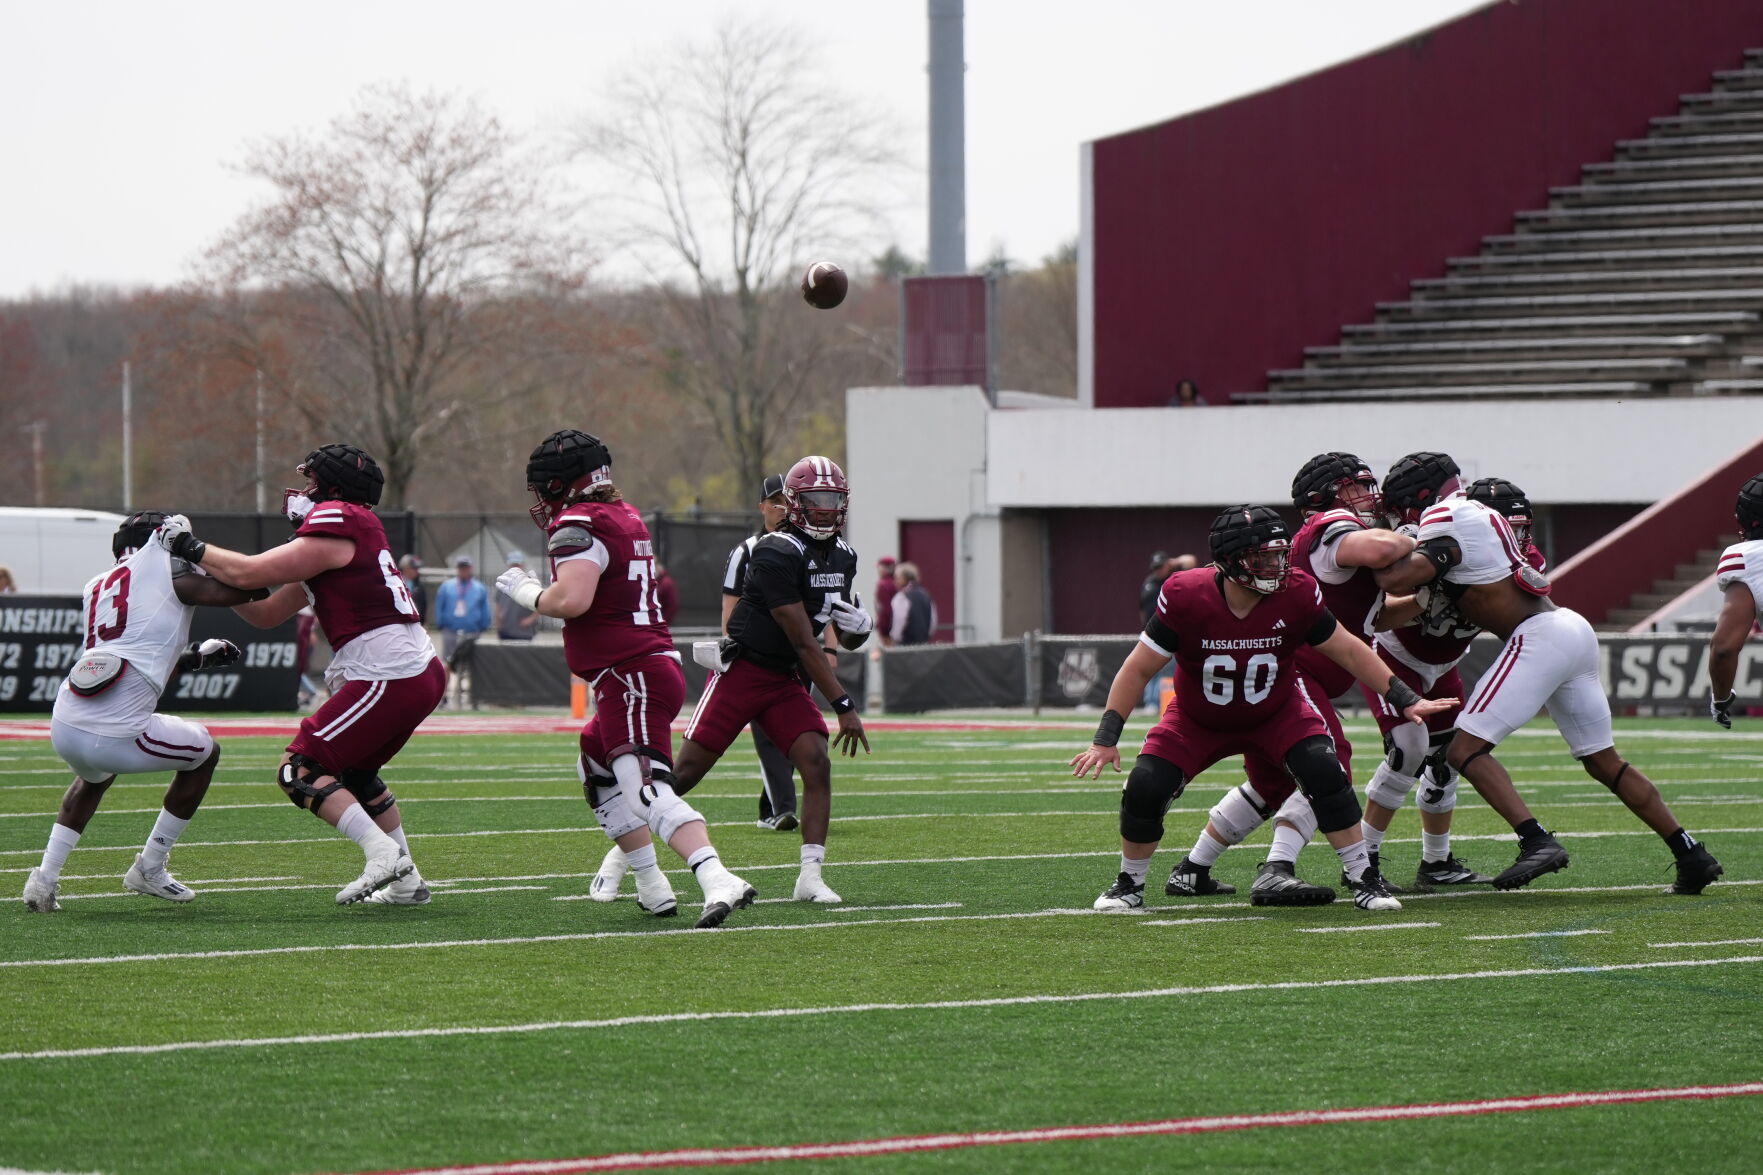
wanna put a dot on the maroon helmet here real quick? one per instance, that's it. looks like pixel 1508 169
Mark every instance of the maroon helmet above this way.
pixel 816 495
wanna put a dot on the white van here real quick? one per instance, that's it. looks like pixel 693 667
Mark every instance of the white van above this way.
pixel 53 551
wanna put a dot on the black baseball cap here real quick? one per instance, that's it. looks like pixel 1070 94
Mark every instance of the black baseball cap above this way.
pixel 771 487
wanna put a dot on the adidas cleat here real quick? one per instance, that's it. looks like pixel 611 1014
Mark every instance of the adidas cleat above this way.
pixel 380 872
pixel 1536 857
pixel 409 890
pixel 782 822
pixel 156 883
pixel 723 898
pixel 613 866
pixel 1372 892
pixel 1695 870
pixel 811 888
pixel 39 895
pixel 655 894
pixel 1188 880
pixel 1124 894
pixel 1373 863
pixel 1450 871
pixel 1277 884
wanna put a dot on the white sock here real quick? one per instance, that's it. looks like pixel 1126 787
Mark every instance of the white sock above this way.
pixel 397 834
pixel 1435 846
pixel 1353 860
pixel 1207 849
pixel 644 858
pixel 813 855
pixel 1286 843
pixel 1373 837
pixel 359 827
pixel 166 831
pixel 1135 869
pixel 62 839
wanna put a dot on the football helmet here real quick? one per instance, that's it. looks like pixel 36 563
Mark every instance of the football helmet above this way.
pixel 1507 499
pixel 342 473
pixel 1252 546
pixel 1325 475
pixel 1415 482
pixel 564 465
pixel 135 532
pixel 816 497
pixel 1749 510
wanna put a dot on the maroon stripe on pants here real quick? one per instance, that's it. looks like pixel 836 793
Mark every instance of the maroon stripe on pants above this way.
pixel 1502 672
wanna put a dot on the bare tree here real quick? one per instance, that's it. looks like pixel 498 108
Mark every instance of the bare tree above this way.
pixel 405 273
pixel 736 163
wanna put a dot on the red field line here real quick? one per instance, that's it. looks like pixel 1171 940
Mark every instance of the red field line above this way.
pixel 737 1156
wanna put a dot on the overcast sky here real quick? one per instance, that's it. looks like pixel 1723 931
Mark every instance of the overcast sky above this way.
pixel 121 119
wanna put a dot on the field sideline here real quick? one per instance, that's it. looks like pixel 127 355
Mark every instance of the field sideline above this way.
pixel 964 1010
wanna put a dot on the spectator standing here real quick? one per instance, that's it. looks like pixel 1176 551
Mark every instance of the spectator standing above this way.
pixel 462 612
pixel 915 613
pixel 884 598
pixel 666 594
pixel 410 567
pixel 7 587
pixel 1187 395
pixel 513 622
pixel 1161 565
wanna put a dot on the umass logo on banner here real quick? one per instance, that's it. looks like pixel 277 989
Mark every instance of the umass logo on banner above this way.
pixel 1079 670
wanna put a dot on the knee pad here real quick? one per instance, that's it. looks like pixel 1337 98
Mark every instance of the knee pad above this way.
pixel 1438 791
pixel 1237 814
pixel 299 777
pixel 667 812
pixel 1299 813
pixel 1145 798
pixel 369 790
pixel 1324 781
pixel 1389 787
pixel 1405 749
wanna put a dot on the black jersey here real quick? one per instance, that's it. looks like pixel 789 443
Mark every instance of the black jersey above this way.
pixel 734 576
pixel 787 567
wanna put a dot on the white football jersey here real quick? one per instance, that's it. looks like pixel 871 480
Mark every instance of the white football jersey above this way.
pixel 1743 563
pixel 132 611
pixel 1490 551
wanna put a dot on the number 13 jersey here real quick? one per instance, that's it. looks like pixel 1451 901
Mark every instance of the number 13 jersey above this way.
pixel 1234 672
pixel 624 622
pixel 131 610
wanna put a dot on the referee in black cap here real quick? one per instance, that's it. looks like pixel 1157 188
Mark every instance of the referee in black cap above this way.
pixel 777 798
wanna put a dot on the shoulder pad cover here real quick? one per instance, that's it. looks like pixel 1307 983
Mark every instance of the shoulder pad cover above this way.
pixel 571 537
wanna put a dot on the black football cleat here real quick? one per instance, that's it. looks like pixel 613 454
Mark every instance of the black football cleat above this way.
pixel 1450 871
pixel 1695 870
pixel 1372 892
pixel 1372 866
pixel 1536 857
pixel 1278 884
pixel 1188 880
pixel 1124 894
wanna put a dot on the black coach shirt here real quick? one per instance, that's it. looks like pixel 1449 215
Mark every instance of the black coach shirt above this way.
pixel 787 567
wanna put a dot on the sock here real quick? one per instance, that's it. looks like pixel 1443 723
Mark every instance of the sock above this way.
pixel 1206 850
pixel 1286 843
pixel 1435 846
pixel 62 839
pixel 700 858
pixel 397 834
pixel 359 827
pixel 166 831
pixel 1135 869
pixel 1530 830
pixel 644 858
pixel 1373 837
pixel 1682 843
pixel 1354 860
pixel 813 855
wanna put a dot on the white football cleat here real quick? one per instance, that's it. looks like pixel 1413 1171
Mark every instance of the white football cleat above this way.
pixel 409 890
pixel 810 888
pixel 158 883
pixel 654 893
pixel 613 866
pixel 723 897
pixel 39 895
pixel 380 872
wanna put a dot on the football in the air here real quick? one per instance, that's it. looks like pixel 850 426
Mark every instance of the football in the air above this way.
pixel 824 285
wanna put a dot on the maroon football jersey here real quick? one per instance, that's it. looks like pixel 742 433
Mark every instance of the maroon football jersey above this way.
pixel 1351 602
pixel 1441 636
pixel 365 593
pixel 624 621
pixel 1231 673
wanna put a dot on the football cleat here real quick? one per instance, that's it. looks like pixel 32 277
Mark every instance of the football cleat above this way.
pixel 1695 870
pixel 722 898
pixel 1124 894
pixel 39 895
pixel 613 866
pixel 1372 892
pixel 1188 880
pixel 156 883
pixel 380 872
pixel 810 888
pixel 1536 857
pixel 1277 884
pixel 1373 864
pixel 655 894
pixel 782 822
pixel 1450 871
pixel 409 890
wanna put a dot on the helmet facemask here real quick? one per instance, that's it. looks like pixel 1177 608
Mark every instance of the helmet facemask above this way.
pixel 818 513
pixel 1261 569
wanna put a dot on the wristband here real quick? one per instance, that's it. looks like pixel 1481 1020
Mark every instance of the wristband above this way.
pixel 1399 695
pixel 1108 732
pixel 843 704
pixel 528 593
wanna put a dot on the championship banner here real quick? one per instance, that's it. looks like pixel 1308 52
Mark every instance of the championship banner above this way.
pixel 40 640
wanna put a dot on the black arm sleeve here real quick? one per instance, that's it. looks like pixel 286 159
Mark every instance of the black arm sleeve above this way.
pixel 1442 553
pixel 1160 634
pixel 1323 628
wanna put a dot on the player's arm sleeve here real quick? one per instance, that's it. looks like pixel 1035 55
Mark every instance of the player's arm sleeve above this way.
pixel 1325 555
pixel 1322 629
pixel 772 578
pixel 1160 632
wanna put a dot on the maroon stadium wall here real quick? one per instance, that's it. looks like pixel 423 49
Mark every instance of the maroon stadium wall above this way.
pixel 1228 240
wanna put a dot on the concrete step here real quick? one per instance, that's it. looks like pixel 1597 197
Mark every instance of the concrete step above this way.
pixel 1566 347
pixel 1694 167
pixel 1390 329
pixel 1544 237
pixel 1571 260
pixel 1535 372
pixel 1675 190
pixel 1727 387
pixel 1721 101
pixel 1698 122
pixel 1699 277
pixel 1738 80
pixel 1660 301
pixel 1453 392
pixel 1664 214
pixel 1687 146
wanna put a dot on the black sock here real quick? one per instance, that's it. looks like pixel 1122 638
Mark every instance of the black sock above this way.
pixel 1531 830
pixel 1682 843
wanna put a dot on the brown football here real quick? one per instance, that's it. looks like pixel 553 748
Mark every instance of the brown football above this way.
pixel 824 285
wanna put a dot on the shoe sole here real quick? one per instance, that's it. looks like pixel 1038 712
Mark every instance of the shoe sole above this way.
pixel 716 913
pixel 664 911
pixel 41 908
pixel 1427 884
pixel 394 875
pixel 1117 909
pixel 603 893
pixel 1318 897
pixel 1677 887
pixel 1510 879
pixel 1222 890
pixel 188 895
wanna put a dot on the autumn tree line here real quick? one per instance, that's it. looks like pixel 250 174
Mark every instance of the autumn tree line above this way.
pixel 424 282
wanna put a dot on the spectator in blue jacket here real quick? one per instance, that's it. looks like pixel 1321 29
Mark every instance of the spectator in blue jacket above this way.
pixel 462 613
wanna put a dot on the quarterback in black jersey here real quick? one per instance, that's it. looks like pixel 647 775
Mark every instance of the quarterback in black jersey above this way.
pixel 798 580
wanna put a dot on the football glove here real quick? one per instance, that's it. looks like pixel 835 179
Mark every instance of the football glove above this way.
pixel 520 587
pixel 1721 709
pixel 849 616
pixel 175 536
pixel 209 654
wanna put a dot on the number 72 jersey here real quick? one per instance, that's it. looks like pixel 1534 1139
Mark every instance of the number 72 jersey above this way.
pixel 624 622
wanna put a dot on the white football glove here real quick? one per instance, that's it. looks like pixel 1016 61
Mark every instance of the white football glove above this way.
pixel 171 528
pixel 209 654
pixel 849 616
pixel 520 587
pixel 296 505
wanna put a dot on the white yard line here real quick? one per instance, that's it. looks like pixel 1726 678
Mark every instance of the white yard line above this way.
pixel 1716 942
pixel 1373 926
pixel 855 1009
pixel 1198 921
pixel 1532 934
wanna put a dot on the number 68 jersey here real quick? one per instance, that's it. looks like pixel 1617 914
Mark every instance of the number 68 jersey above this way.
pixel 1232 672
pixel 131 610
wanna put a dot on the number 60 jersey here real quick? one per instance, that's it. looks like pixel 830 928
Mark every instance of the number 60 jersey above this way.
pixel 624 621
pixel 363 606
pixel 1234 673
